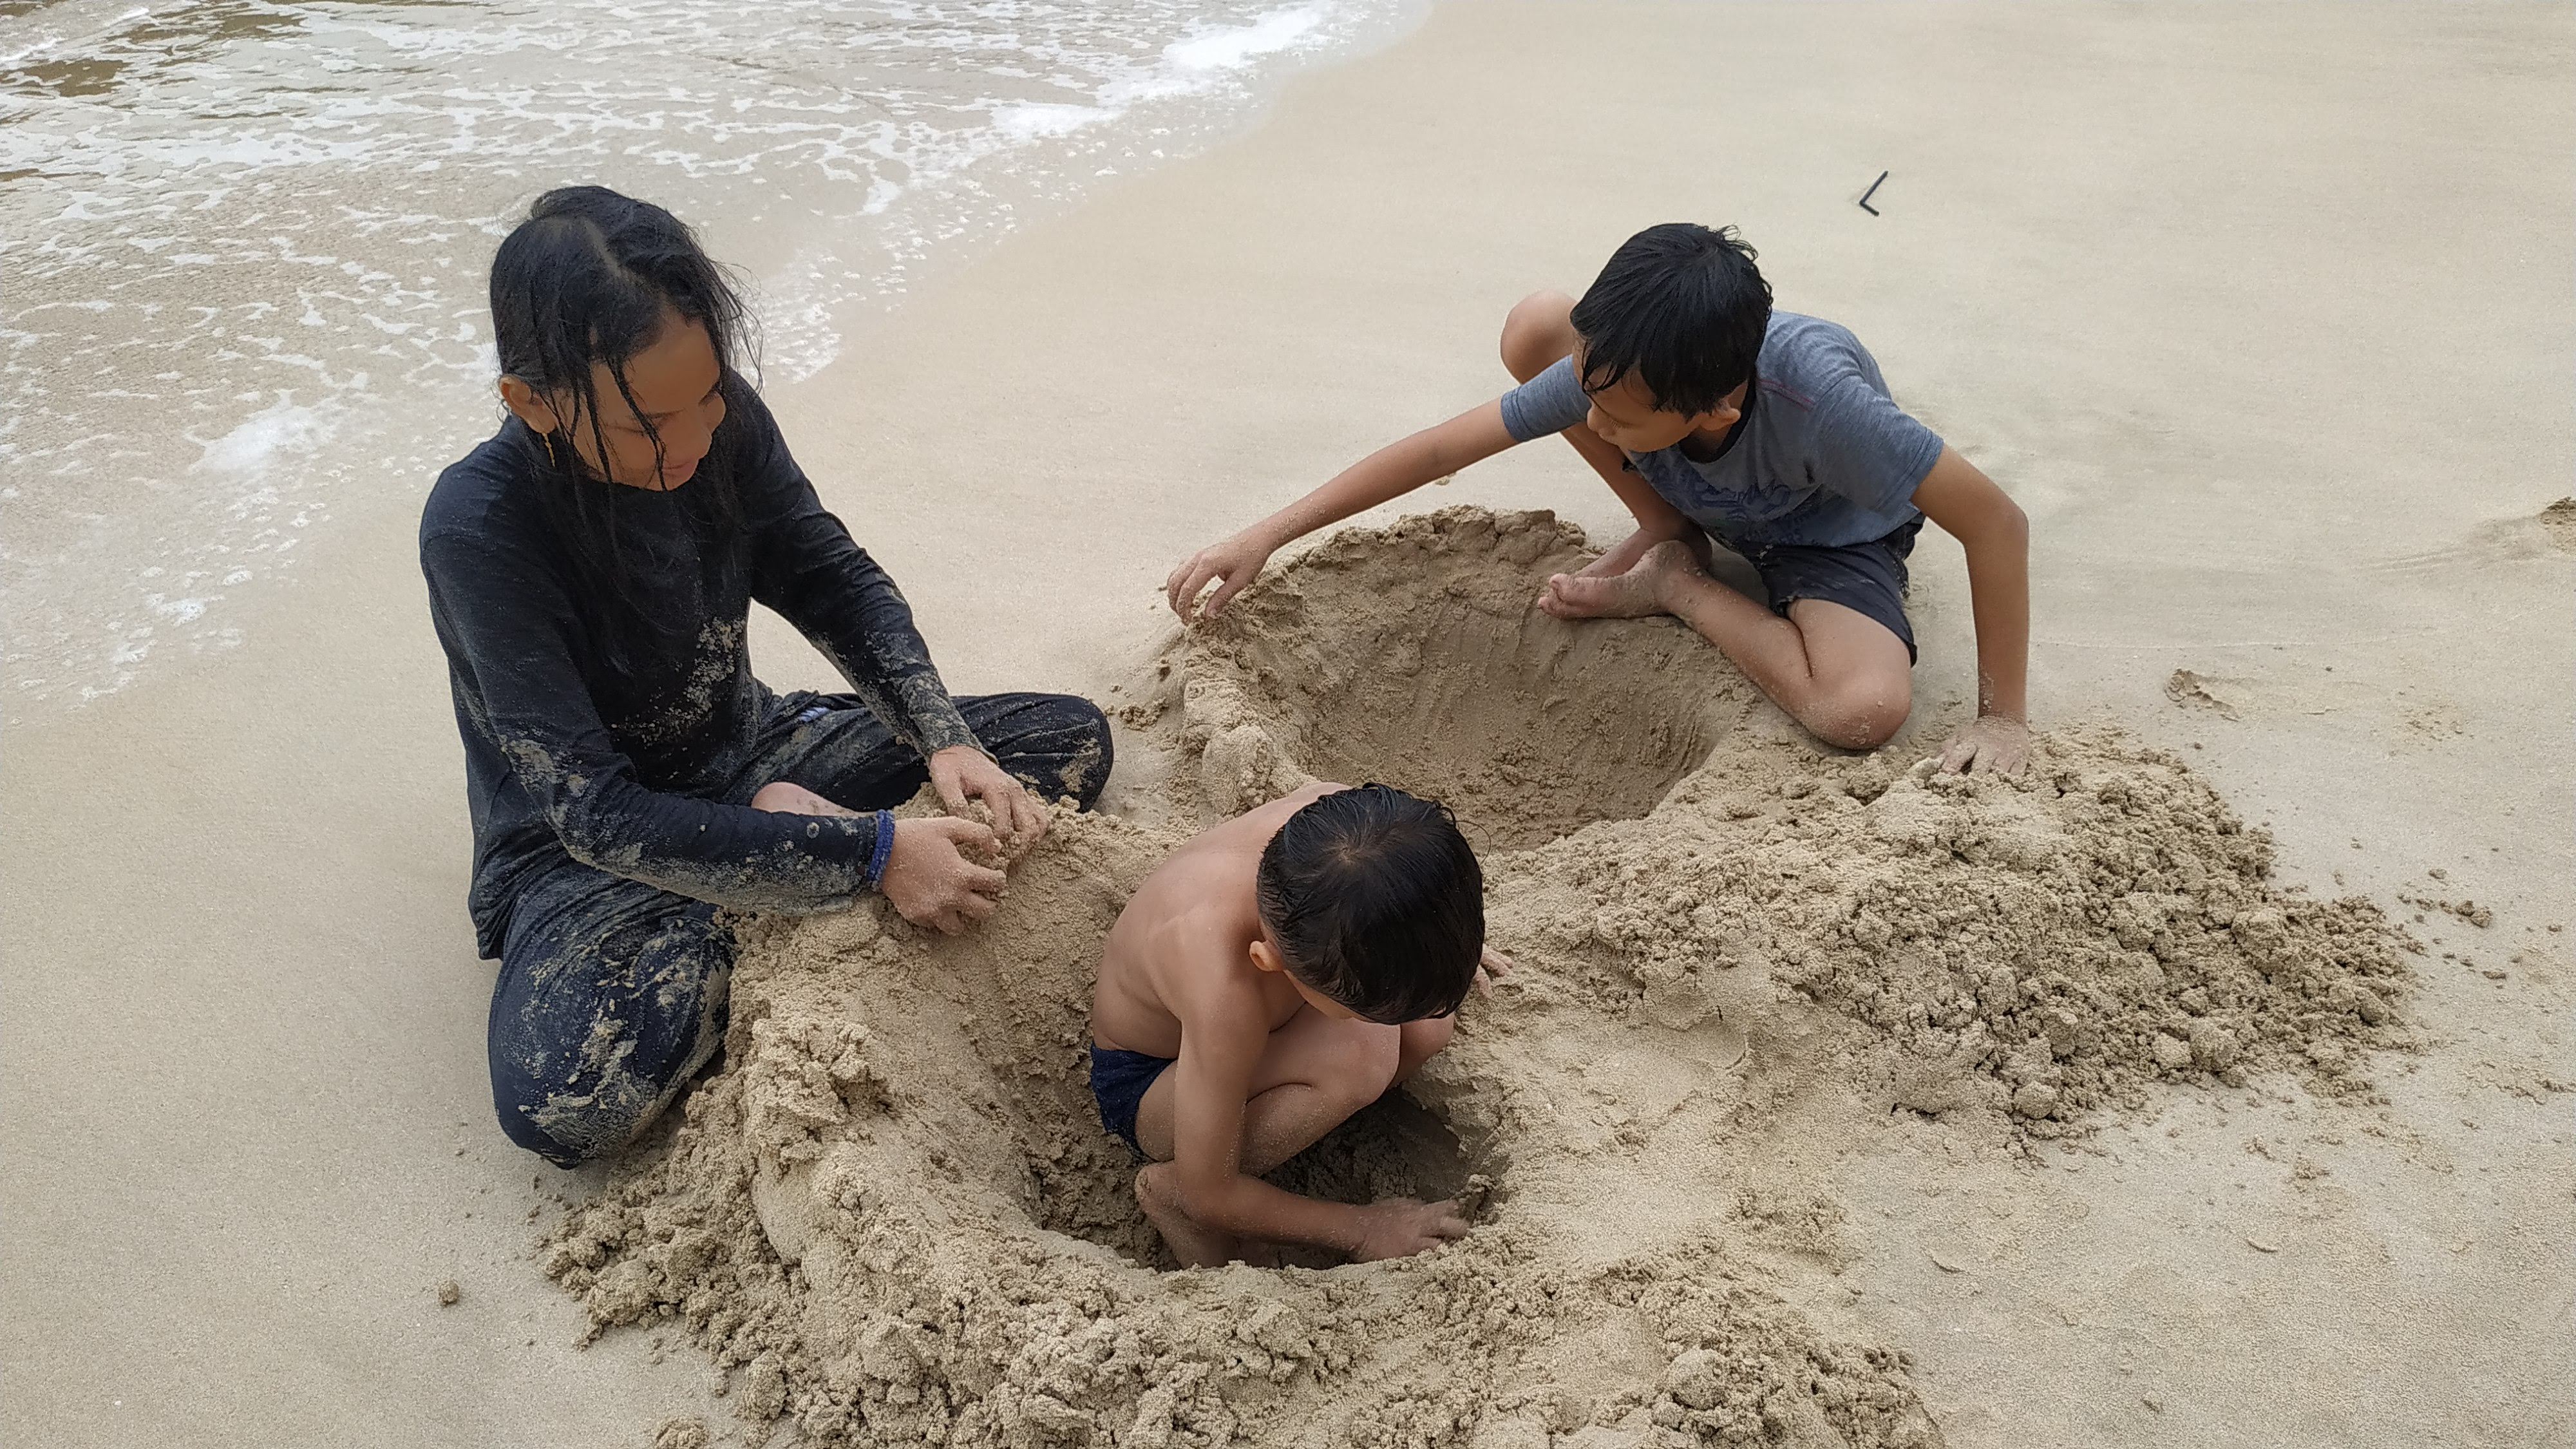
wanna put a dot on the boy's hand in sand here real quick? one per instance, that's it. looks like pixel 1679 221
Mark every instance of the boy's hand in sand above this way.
pixel 1491 967
pixel 930 881
pixel 1401 1227
pixel 961 773
pixel 1993 744
pixel 1229 565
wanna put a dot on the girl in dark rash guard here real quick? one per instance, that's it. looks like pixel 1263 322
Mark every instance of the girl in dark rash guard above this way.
pixel 591 568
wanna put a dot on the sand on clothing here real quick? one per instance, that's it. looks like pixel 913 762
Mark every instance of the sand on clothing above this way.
pixel 2258 310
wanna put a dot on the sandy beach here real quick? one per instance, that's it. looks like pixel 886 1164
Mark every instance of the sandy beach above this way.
pixel 2259 311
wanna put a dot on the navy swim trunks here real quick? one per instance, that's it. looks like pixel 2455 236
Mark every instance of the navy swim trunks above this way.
pixel 1119 1080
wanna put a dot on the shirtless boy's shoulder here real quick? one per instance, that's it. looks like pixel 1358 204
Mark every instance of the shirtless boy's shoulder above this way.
pixel 1182 939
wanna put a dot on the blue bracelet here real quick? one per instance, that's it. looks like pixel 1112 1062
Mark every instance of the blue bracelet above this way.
pixel 884 850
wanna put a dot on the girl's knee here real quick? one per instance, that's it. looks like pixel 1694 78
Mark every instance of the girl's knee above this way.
pixel 1066 750
pixel 1536 332
pixel 1089 773
pixel 572 1122
pixel 518 1124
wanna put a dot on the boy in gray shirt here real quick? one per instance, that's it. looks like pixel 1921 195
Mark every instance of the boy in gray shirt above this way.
pixel 1716 419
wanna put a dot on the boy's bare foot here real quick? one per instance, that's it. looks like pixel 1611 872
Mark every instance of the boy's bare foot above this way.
pixel 1194 1246
pixel 1643 590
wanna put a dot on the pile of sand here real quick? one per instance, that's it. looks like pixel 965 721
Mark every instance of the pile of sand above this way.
pixel 892 1217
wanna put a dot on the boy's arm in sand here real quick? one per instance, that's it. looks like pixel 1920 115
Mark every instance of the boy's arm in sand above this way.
pixel 1996 534
pixel 1223 1039
pixel 1390 472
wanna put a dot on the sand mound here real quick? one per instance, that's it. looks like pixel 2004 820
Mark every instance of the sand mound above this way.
pixel 893 1219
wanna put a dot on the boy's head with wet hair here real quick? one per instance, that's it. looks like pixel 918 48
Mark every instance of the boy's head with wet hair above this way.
pixel 1667 336
pixel 1374 903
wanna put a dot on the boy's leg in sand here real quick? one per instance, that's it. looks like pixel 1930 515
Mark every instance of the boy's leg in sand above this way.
pixel 1419 1041
pixel 1315 1073
pixel 1843 667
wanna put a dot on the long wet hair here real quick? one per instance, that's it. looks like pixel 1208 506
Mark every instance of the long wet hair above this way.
pixel 588 280
pixel 1377 902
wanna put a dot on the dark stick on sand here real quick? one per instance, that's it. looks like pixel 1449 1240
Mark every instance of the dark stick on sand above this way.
pixel 1873 191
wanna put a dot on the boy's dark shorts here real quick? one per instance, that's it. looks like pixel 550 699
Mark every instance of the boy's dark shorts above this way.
pixel 1869 577
pixel 1119 1081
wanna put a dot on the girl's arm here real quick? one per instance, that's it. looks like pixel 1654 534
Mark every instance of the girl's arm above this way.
pixel 1390 472
pixel 506 624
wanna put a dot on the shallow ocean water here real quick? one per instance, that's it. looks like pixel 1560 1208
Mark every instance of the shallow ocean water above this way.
pixel 243 241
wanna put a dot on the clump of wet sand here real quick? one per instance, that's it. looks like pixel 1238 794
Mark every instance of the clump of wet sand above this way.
pixel 892 1217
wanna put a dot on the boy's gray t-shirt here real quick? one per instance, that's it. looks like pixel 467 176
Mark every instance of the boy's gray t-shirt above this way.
pixel 1823 456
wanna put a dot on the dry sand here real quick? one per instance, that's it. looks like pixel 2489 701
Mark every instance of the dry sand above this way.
pixel 2259 310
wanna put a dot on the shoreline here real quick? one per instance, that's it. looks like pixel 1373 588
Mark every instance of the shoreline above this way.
pixel 156 529
pixel 2145 267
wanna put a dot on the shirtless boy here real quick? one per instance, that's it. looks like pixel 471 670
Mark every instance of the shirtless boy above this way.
pixel 1278 973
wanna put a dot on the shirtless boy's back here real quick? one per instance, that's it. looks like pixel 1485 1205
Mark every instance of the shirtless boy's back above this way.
pixel 1278 973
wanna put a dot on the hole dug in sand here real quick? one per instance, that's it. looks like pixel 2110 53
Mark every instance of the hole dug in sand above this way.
pixel 893 1219
pixel 1416 656
pixel 1394 1148
pixel 980 1078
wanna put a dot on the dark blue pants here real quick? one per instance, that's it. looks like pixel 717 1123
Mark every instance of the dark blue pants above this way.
pixel 612 993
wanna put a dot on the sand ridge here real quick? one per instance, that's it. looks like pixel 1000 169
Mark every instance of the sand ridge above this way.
pixel 892 1217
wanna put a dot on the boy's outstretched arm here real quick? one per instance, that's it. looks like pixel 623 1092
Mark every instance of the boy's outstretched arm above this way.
pixel 1996 534
pixel 1390 472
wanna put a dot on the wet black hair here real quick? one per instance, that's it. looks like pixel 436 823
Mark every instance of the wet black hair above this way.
pixel 1377 902
pixel 591 278
pixel 1683 307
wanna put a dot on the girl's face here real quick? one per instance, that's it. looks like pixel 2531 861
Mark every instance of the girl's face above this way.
pixel 676 383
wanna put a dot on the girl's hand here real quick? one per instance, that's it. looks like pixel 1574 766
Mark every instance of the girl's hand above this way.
pixel 1490 968
pixel 929 880
pixel 1993 743
pixel 961 772
pixel 1229 565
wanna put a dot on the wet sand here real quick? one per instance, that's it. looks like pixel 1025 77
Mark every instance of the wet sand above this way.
pixel 2260 313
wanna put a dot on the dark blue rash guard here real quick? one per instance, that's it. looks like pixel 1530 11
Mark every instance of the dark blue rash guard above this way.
pixel 620 766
